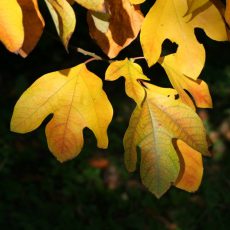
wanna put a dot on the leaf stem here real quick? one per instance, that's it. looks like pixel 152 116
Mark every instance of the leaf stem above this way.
pixel 137 58
pixel 87 53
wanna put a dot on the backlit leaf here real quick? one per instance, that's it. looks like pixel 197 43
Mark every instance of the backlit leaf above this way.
pixel 152 128
pixel 136 1
pixel 191 168
pixel 63 17
pixel 227 12
pixel 193 5
pixel 132 72
pixel 121 26
pixel 11 25
pixel 197 88
pixel 76 99
pixel 33 24
pixel 95 5
pixel 166 20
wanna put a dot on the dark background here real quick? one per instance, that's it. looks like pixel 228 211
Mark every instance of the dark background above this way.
pixel 37 192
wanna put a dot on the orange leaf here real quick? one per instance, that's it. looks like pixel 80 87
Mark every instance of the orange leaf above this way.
pixel 33 25
pixel 117 29
pixel 99 162
pixel 191 171
pixel 197 88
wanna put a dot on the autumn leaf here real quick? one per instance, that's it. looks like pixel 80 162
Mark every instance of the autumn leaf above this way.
pixel 152 128
pixel 11 25
pixel 166 20
pixel 197 88
pixel 33 24
pixel 227 12
pixel 117 28
pixel 194 5
pixel 76 99
pixel 191 171
pixel 95 5
pixel 135 2
pixel 64 19
pixel 132 72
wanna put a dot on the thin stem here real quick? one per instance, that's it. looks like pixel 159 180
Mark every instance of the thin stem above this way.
pixel 87 53
pixel 92 59
pixel 137 58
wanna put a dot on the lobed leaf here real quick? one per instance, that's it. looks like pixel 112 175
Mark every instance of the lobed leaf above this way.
pixel 117 28
pixel 64 19
pixel 132 72
pixel 152 128
pixel 76 99
pixel 166 20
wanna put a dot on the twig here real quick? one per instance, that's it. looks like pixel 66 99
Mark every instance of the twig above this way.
pixel 87 53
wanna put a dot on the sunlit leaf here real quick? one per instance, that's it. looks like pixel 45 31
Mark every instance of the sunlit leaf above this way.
pixel 227 12
pixel 132 72
pixel 197 88
pixel 76 99
pixel 193 5
pixel 11 25
pixel 33 24
pixel 95 5
pixel 63 17
pixel 136 1
pixel 191 168
pixel 152 128
pixel 166 20
pixel 116 29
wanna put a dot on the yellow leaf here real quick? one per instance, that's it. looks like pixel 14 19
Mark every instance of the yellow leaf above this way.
pixel 197 88
pixel 135 2
pixel 33 25
pixel 194 5
pixel 191 168
pixel 152 128
pixel 95 5
pixel 76 99
pixel 11 26
pixel 63 17
pixel 116 29
pixel 227 12
pixel 132 72
pixel 166 20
